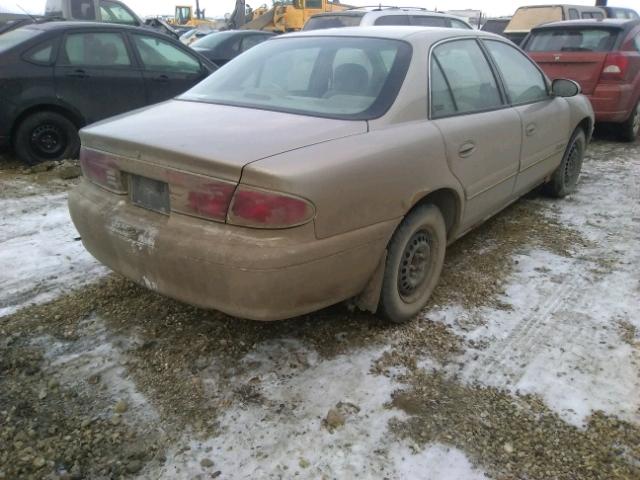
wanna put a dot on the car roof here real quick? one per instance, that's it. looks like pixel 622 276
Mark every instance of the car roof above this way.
pixel 68 24
pixel 607 22
pixel 407 33
pixel 386 11
pixel 567 5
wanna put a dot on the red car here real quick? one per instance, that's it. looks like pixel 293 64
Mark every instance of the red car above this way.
pixel 603 56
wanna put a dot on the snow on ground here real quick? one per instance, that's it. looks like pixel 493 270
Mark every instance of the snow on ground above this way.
pixel 40 253
pixel 562 337
pixel 285 435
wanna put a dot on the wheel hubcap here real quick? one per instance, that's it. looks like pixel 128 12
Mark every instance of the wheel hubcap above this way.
pixel 414 267
pixel 573 166
pixel 636 120
pixel 47 140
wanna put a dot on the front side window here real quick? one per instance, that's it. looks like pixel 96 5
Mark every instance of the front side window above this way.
pixel 114 13
pixel 95 49
pixel 523 81
pixel 572 40
pixel 393 20
pixel 468 75
pixel 158 54
pixel 334 77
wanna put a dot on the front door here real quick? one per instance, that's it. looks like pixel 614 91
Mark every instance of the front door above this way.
pixel 96 74
pixel 545 119
pixel 482 134
pixel 168 69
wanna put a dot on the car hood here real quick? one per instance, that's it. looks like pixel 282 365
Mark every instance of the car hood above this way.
pixel 216 140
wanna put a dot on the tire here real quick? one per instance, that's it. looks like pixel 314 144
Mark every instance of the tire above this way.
pixel 630 129
pixel 414 261
pixel 565 178
pixel 44 136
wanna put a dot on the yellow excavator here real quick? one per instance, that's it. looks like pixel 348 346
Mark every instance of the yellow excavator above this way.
pixel 284 16
pixel 187 17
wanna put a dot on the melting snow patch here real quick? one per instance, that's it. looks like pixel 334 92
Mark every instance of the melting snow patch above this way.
pixel 282 431
pixel 436 462
pixel 40 253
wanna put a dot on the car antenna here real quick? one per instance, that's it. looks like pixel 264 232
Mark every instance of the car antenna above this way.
pixel 28 14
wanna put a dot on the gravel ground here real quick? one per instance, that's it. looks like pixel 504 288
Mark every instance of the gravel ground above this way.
pixel 525 365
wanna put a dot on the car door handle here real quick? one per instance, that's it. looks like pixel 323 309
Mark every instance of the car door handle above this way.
pixel 78 73
pixel 161 79
pixel 467 149
pixel 531 129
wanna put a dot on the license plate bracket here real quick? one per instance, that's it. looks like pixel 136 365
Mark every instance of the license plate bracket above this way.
pixel 150 194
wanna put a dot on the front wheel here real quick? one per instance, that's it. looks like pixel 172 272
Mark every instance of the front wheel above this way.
pixel 44 136
pixel 565 179
pixel 414 261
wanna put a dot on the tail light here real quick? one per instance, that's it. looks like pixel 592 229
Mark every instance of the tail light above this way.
pixel 102 170
pixel 256 208
pixel 200 196
pixel 615 66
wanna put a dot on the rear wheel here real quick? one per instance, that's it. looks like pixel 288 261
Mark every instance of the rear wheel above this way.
pixel 44 136
pixel 565 179
pixel 631 127
pixel 414 262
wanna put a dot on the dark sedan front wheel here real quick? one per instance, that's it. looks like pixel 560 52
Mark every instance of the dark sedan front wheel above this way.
pixel 44 136
pixel 414 261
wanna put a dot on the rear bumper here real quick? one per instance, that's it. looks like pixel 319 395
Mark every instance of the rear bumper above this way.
pixel 243 272
pixel 613 103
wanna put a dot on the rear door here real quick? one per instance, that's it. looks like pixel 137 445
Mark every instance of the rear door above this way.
pixel 545 120
pixel 482 135
pixel 575 53
pixel 169 70
pixel 96 73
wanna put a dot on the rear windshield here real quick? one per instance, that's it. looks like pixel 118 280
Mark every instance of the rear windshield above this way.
pixel 572 40
pixel 332 21
pixel 10 39
pixel 212 41
pixel 335 77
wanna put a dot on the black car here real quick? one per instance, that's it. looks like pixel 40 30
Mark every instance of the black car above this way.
pixel 220 47
pixel 57 77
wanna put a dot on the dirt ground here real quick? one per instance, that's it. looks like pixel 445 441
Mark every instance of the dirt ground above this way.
pixel 525 365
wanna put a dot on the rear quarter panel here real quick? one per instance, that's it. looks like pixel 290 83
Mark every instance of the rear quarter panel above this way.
pixel 360 180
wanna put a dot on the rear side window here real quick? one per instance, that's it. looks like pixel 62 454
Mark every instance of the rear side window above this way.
pixel 95 49
pixel 523 81
pixel 468 75
pixel 252 41
pixel 157 54
pixel 424 21
pixel 41 54
pixel 332 21
pixel 572 40
pixel 393 20
pixel 574 14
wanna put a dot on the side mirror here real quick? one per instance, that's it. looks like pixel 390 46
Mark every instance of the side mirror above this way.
pixel 562 87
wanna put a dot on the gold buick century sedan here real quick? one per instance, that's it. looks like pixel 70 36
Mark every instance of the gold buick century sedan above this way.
pixel 326 166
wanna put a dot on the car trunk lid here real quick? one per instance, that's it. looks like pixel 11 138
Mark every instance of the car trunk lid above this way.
pixel 208 139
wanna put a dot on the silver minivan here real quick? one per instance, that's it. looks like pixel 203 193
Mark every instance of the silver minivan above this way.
pixel 366 17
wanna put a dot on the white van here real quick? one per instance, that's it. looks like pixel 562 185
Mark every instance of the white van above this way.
pixel 526 18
